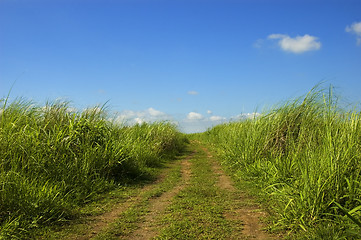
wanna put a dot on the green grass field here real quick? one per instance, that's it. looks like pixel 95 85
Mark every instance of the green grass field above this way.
pixel 53 160
pixel 302 159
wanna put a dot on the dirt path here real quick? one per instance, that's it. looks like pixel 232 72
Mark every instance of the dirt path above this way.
pixel 148 228
pixel 183 205
pixel 245 210
pixel 102 222
pixel 94 226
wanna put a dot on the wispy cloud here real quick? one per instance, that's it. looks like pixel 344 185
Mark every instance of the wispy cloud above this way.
pixel 192 122
pixel 194 116
pixel 196 122
pixel 258 43
pixel 244 116
pixel 217 118
pixel 355 28
pixel 129 117
pixel 138 120
pixel 155 113
pixel 193 93
pixel 298 44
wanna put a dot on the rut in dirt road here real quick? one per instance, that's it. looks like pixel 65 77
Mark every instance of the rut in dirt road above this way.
pixel 145 203
pixel 244 209
pixel 148 228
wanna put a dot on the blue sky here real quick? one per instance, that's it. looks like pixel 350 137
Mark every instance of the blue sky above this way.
pixel 194 62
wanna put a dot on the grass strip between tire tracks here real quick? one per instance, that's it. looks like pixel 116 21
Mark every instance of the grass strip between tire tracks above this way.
pixel 197 212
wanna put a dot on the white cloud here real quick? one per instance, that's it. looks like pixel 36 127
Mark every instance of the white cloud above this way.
pixel 155 113
pixel 133 117
pixel 193 122
pixel 196 122
pixel 244 116
pixel 216 118
pixel 193 93
pixel 138 120
pixel 299 44
pixel 194 116
pixel 355 28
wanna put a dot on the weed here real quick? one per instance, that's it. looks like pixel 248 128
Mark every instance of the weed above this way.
pixel 305 155
pixel 53 159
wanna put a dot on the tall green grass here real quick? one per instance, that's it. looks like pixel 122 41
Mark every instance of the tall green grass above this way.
pixel 53 159
pixel 305 156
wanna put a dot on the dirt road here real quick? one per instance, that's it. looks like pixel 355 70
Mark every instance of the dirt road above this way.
pixel 192 199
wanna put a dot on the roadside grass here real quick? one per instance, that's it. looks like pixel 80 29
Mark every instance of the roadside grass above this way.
pixel 129 219
pixel 58 166
pixel 104 203
pixel 248 193
pixel 304 157
pixel 54 160
pixel 80 226
pixel 197 212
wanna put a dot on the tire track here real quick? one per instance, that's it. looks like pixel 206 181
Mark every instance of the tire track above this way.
pixel 99 223
pixel 243 209
pixel 157 206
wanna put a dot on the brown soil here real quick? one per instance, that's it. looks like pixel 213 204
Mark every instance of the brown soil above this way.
pixel 244 209
pixel 101 222
pixel 148 228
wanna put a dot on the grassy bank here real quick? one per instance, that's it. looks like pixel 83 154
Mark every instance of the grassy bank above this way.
pixel 53 159
pixel 305 158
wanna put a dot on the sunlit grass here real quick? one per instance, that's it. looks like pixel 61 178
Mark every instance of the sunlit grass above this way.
pixel 306 157
pixel 53 159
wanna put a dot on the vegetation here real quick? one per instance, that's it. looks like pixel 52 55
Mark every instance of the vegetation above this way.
pixel 53 160
pixel 130 219
pixel 198 211
pixel 305 158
